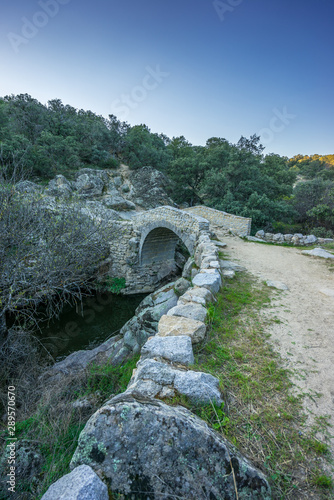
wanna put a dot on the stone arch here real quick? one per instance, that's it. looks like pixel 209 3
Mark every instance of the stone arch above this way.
pixel 158 242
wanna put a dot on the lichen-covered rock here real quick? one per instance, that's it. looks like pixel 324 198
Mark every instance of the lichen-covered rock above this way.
pixel 116 202
pixel 81 484
pixel 177 325
pixel 29 462
pixel 145 449
pixel 278 285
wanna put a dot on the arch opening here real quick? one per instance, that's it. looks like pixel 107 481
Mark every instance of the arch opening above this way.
pixel 159 246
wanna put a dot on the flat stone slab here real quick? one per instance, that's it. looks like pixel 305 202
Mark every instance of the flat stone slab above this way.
pixel 228 273
pixel 227 264
pixel 81 484
pixel 327 291
pixel 196 294
pixel 277 284
pixel 177 325
pixel 190 310
pixel 211 281
pixel 174 349
pixel 319 252
pixel 256 240
pixel 152 376
pixel 220 244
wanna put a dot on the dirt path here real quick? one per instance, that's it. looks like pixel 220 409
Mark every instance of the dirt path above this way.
pixel 305 335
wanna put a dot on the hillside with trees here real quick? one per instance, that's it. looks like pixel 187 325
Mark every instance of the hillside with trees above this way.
pixel 278 193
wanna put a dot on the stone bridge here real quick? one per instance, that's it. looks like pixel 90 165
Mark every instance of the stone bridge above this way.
pixel 143 249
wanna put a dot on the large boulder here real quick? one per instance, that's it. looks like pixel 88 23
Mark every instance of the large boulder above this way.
pixel 27 187
pixel 147 449
pixel 149 188
pixel 90 183
pixel 60 187
pixel 96 211
pixel 115 201
pixel 81 484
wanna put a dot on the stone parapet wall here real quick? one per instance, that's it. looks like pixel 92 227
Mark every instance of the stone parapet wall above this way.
pixel 239 225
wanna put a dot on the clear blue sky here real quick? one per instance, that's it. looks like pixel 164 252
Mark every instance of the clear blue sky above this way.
pixel 188 67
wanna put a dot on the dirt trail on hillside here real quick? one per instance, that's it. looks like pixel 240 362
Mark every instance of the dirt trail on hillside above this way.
pixel 305 336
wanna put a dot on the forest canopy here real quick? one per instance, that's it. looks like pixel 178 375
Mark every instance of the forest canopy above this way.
pixel 289 195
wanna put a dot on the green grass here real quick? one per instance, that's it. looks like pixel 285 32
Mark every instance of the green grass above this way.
pixel 56 424
pixel 263 414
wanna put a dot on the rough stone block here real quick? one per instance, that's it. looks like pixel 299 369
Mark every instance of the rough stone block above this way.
pixel 211 281
pixel 177 325
pixel 175 349
pixel 190 310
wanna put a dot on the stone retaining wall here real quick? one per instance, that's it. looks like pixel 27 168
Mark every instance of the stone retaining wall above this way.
pixel 122 439
pixel 239 225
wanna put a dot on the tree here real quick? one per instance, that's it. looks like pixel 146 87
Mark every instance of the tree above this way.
pixel 46 256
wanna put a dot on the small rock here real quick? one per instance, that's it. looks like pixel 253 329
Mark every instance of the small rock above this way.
pixel 260 234
pixel 278 285
pixel 328 292
pixel 181 286
pixel 278 238
pixel 81 484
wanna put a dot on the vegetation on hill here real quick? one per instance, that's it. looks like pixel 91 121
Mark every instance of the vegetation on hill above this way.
pixel 295 195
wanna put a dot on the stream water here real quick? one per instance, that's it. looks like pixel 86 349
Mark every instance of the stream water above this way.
pixel 86 326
